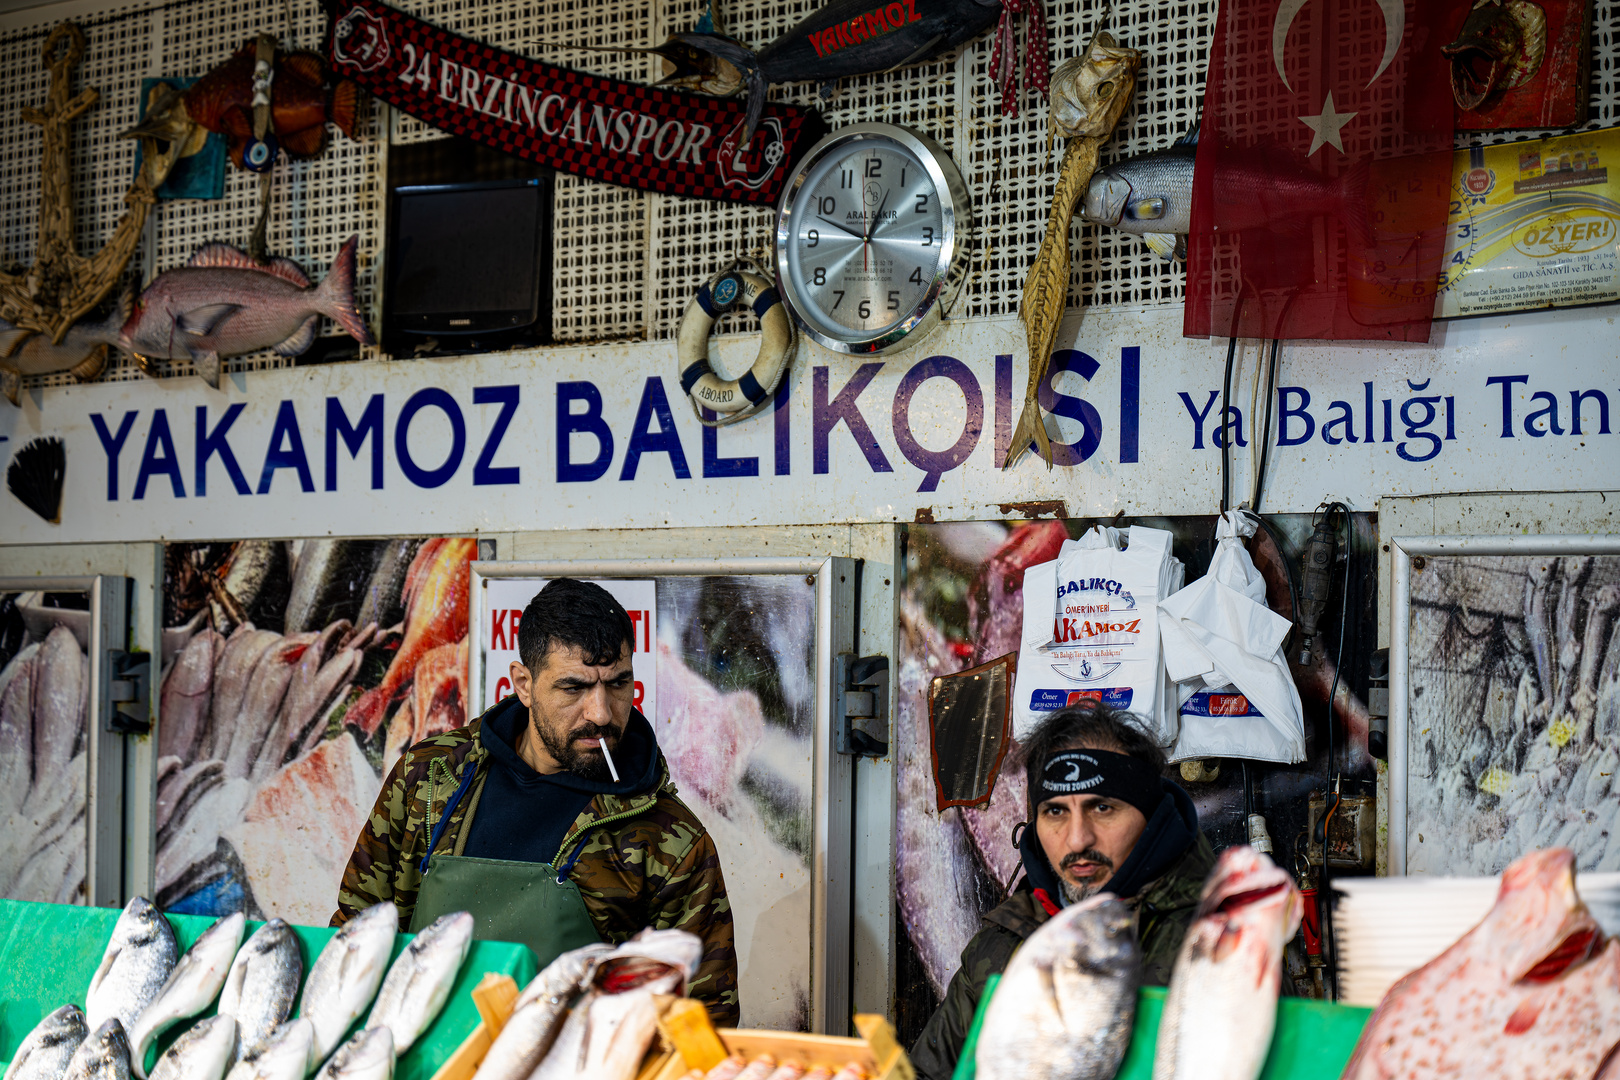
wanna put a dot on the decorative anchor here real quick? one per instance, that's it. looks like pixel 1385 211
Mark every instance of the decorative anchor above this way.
pixel 63 285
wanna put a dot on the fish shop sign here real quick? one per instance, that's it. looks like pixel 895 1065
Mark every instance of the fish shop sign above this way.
pixel 617 132
pixel 597 437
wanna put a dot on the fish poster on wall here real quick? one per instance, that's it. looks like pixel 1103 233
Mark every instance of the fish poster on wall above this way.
pixel 44 731
pixel 296 673
pixel 961 605
pixel 1513 665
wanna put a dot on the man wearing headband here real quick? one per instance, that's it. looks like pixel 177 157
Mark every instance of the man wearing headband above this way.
pixel 551 817
pixel 1104 821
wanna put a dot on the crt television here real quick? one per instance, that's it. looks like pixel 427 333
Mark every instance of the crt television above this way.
pixel 470 261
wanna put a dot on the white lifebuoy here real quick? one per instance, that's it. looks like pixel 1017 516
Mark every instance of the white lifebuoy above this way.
pixel 737 398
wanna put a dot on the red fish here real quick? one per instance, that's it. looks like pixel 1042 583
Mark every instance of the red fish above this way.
pixel 1532 992
pixel 303 97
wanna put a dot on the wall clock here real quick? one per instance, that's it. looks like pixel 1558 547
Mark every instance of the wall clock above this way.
pixel 871 238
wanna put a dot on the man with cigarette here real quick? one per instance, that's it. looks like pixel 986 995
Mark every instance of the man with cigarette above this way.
pixel 551 817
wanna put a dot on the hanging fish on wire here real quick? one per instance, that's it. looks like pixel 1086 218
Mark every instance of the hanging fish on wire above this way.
pixel 846 38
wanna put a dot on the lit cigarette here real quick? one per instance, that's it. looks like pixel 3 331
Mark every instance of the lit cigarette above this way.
pixel 609 758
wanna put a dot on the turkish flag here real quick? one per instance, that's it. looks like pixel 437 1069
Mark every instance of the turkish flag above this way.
pixel 1324 171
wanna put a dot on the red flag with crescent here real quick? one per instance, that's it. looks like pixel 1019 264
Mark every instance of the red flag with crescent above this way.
pixel 1324 171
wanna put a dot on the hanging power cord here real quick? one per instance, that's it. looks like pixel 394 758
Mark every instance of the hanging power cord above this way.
pixel 1331 793
pixel 1264 433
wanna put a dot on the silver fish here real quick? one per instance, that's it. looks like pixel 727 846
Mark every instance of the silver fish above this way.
pixel 223 303
pixel 134 967
pixel 1067 1001
pixel 262 983
pixel 283 1056
pixel 383 603
pixel 538 1014
pixel 252 562
pixel 1149 195
pixel 191 987
pixel 419 982
pixel 345 977
pixel 103 1056
pixel 1222 1004
pixel 367 1056
pixel 45 1052
pixel 83 351
pixel 609 1030
pixel 204 1052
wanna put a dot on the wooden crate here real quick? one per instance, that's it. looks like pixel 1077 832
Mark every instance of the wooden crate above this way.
pixel 876 1051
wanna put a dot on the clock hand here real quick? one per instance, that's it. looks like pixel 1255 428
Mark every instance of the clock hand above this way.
pixel 845 228
pixel 871 222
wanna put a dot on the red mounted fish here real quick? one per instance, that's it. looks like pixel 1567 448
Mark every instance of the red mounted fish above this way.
pixel 303 97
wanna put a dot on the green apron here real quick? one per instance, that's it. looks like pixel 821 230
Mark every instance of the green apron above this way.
pixel 510 901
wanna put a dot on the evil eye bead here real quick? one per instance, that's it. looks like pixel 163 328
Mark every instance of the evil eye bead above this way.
pixel 259 154
pixel 725 291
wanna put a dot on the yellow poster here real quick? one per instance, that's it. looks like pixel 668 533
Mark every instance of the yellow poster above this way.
pixel 1533 225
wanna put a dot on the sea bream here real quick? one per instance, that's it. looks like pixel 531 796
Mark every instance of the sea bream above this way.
pixel 344 978
pixel 538 1014
pixel 261 985
pixel 137 961
pixel 283 1056
pixel 1066 1004
pixel 369 1055
pixel 102 1056
pixel 191 987
pixel 224 303
pixel 83 352
pixel 1532 992
pixel 45 1051
pixel 1222 1005
pixel 203 1052
pixel 418 983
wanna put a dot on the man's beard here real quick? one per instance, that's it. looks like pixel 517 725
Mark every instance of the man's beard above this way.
pixel 585 762
pixel 1073 893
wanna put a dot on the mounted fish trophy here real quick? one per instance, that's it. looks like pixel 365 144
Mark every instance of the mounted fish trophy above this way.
pixel 40 308
pixel 1521 64
pixel 1089 94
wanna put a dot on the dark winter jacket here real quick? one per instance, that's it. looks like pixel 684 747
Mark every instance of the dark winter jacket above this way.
pixel 1164 910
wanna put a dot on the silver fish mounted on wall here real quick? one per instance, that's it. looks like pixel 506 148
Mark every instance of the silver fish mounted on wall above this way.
pixel 224 303
pixel 83 351
pixel 1149 196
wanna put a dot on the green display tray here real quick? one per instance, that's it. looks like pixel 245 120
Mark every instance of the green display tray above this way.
pixel 1313 1040
pixel 49 951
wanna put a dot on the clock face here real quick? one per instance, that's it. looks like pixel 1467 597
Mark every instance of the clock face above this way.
pixel 866 239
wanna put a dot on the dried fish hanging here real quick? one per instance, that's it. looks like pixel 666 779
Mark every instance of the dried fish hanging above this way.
pixel 1089 93
pixel 63 285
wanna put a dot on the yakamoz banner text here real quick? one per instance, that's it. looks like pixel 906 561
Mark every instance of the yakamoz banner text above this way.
pixel 646 137
pixel 600 437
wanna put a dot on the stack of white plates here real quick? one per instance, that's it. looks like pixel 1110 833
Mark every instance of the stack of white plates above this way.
pixel 1387 927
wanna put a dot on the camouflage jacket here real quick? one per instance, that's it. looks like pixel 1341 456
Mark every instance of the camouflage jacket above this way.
pixel 1164 910
pixel 645 860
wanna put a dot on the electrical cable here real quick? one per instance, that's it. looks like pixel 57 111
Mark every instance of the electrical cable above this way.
pixel 1265 429
pixel 1330 798
pixel 1222 432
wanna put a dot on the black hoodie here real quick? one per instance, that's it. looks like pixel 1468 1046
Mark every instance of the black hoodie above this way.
pixel 1171 830
pixel 523 816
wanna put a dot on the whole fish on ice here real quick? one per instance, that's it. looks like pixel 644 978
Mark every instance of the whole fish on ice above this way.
pixel 538 1014
pixel 1066 1003
pixel 369 1055
pixel 609 1030
pixel 344 978
pixel 418 984
pixel 261 985
pixel 191 987
pixel 1532 992
pixel 83 352
pixel 224 303
pixel 203 1052
pixel 137 961
pixel 1222 1005
pixel 45 1051
pixel 102 1056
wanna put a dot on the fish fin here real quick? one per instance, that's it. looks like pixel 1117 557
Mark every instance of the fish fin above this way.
pixel 221 254
pixel 107 960
pixel 11 340
pixel 1162 244
pixel 1189 139
pixel 927 47
pixel 303 65
pixel 1353 197
pixel 304 144
pixel 300 341
pixel 90 368
pixel 828 91
pixel 207 365
pixel 119 315
pixel 285 269
pixel 200 322
pixel 1030 433
pixel 344 112
pixel 335 297
pixel 11 384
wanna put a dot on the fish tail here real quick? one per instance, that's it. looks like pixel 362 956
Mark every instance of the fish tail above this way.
pixel 1353 198
pixel 335 297
pixel 345 108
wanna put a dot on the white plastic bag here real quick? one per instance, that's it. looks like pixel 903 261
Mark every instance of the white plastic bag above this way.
pixel 1223 648
pixel 1091 630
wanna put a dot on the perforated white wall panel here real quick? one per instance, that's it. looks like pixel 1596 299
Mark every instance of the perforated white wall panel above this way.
pixel 625 263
